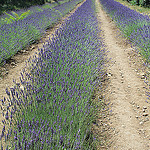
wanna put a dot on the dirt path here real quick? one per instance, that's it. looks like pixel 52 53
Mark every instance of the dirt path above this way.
pixel 11 71
pixel 125 91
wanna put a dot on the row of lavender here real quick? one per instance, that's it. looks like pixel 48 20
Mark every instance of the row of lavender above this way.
pixel 133 24
pixel 33 9
pixel 15 36
pixel 53 106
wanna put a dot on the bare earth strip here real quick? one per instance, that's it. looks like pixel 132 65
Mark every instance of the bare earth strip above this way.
pixel 11 71
pixel 125 91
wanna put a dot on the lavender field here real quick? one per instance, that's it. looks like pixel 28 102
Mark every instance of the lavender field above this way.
pixel 19 34
pixel 79 86
pixel 52 107
pixel 135 26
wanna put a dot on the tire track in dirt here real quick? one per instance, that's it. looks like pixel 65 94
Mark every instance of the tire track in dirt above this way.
pixel 125 91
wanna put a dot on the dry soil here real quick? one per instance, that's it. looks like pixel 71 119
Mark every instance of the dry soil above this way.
pixel 128 121
pixel 125 91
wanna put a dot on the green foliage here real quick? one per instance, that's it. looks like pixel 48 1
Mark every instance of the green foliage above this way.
pixel 39 9
pixel 139 2
pixel 15 39
pixel 58 12
pixel 46 6
pixel 133 2
pixel 132 27
pixel 15 17
pixel 23 15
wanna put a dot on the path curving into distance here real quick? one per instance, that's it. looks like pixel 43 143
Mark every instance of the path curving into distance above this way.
pixel 125 91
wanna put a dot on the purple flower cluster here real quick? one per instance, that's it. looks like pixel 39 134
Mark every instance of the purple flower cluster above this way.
pixel 133 24
pixel 54 107
pixel 17 35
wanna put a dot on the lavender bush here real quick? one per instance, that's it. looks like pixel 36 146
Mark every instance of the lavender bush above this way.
pixel 134 25
pixel 32 9
pixel 17 35
pixel 52 107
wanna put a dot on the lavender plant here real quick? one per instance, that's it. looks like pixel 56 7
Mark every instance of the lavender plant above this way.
pixel 32 9
pixel 134 25
pixel 54 108
pixel 17 35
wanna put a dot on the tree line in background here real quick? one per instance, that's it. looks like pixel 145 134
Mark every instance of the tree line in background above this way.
pixel 16 4
pixel 145 3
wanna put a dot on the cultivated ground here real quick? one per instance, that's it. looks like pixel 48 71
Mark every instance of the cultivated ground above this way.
pixel 11 70
pixel 127 120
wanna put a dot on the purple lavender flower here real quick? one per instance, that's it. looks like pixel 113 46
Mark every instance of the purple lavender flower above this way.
pixel 54 109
